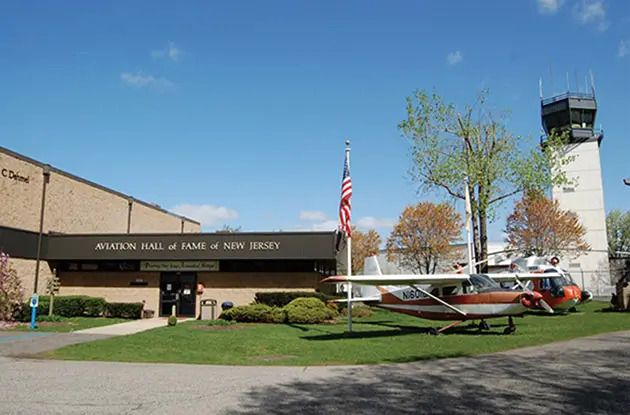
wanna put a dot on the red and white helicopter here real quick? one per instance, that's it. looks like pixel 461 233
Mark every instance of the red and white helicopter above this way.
pixel 546 277
pixel 459 297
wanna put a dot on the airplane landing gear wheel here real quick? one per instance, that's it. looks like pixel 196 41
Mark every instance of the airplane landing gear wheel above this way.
pixel 433 331
pixel 511 328
pixel 484 325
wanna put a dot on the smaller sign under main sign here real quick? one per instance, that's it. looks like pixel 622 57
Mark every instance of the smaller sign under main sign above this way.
pixel 179 265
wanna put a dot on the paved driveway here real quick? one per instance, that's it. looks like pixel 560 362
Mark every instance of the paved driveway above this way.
pixel 584 376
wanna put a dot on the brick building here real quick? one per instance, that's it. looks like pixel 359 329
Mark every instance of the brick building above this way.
pixel 103 243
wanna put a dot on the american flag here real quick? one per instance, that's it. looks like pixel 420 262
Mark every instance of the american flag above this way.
pixel 346 193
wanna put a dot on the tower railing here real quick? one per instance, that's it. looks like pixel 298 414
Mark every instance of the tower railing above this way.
pixel 582 95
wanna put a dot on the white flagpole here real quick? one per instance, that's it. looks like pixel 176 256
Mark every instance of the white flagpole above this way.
pixel 468 219
pixel 349 284
pixel 349 254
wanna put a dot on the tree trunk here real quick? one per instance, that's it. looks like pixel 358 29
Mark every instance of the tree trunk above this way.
pixel 483 241
pixel 475 233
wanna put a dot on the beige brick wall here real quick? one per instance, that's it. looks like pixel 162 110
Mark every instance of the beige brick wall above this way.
pixel 145 219
pixel 75 207
pixel 190 227
pixel 26 271
pixel 20 202
pixel 240 288
pixel 113 286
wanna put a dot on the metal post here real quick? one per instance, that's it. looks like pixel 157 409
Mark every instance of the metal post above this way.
pixel 349 284
pixel 46 174
pixel 130 203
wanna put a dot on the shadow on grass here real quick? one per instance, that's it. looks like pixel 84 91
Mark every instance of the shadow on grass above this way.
pixel 549 380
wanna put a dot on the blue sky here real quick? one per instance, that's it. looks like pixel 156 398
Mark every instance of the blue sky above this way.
pixel 237 112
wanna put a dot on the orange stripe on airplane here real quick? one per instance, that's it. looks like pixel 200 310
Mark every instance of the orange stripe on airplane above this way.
pixel 499 297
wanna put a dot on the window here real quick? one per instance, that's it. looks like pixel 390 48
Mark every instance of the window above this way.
pixel 450 290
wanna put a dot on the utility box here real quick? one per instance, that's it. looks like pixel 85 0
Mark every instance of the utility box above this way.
pixel 208 309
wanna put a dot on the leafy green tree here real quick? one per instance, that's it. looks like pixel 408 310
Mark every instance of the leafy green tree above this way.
pixel 618 229
pixel 450 148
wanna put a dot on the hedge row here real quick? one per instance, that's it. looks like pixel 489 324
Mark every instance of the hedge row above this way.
pixel 282 298
pixel 301 310
pixel 81 306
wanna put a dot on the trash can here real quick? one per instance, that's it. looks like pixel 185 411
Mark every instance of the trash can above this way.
pixel 208 307
pixel 226 305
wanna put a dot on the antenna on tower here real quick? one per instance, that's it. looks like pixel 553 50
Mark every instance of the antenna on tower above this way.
pixel 592 83
pixel 585 85
pixel 540 87
pixel 568 86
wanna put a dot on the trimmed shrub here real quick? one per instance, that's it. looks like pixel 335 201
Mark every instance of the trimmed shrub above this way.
pixel 359 311
pixel 124 310
pixel 70 305
pixel 258 313
pixel 172 321
pixel 227 315
pixel 282 298
pixel 93 306
pixel 308 311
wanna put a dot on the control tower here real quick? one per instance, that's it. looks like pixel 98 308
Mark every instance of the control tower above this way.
pixel 576 112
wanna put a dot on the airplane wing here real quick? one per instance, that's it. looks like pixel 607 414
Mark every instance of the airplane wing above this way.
pixel 507 277
pixel 432 279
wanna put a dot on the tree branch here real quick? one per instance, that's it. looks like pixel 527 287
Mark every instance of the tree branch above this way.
pixel 496 199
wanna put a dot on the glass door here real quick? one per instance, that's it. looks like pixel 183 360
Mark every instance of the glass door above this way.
pixel 178 289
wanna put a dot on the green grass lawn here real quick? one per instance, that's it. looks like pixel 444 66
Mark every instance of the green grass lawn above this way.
pixel 385 337
pixel 67 324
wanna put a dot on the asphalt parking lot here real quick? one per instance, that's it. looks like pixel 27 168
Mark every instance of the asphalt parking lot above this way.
pixel 585 376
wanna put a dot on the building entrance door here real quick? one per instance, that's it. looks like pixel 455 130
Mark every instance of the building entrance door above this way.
pixel 178 289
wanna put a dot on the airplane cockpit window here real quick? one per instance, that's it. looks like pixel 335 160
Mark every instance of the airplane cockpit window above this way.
pixel 483 283
pixel 450 290
pixel 435 292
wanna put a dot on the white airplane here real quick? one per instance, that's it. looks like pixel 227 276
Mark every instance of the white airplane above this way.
pixel 459 297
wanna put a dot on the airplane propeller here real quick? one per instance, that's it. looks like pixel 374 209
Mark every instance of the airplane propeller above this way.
pixel 546 306
pixel 536 297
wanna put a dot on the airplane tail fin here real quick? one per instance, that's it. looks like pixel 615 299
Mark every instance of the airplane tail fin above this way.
pixel 370 267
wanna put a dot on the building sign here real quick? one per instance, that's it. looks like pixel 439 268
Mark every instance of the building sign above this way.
pixel 14 175
pixel 179 265
pixel 192 246
pixel 187 246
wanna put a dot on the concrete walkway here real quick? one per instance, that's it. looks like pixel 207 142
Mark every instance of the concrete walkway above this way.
pixel 21 344
pixel 129 327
